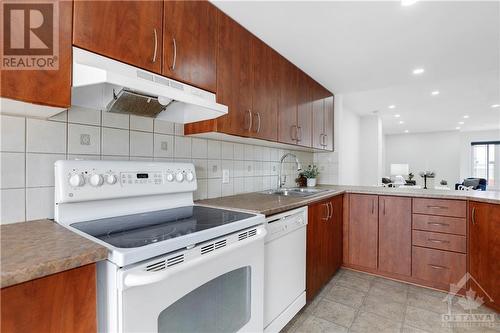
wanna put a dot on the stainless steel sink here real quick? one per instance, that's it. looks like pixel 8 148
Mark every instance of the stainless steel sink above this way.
pixel 295 191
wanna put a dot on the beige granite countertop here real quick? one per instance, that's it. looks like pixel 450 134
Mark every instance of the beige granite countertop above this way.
pixel 35 249
pixel 268 204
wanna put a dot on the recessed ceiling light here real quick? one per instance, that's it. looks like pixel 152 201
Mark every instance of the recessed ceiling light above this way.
pixel 392 106
pixel 495 106
pixel 435 93
pixel 401 122
pixel 466 117
pixel 397 115
pixel 418 71
pixel 461 123
pixel 406 131
pixel 457 128
pixel 407 3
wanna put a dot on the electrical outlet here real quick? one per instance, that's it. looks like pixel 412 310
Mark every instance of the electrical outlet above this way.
pixel 164 145
pixel 225 176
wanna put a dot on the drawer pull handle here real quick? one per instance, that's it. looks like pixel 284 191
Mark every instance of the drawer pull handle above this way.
pixel 438 224
pixel 437 266
pixel 438 207
pixel 437 240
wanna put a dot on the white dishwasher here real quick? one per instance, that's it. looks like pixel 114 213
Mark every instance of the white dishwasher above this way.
pixel 285 268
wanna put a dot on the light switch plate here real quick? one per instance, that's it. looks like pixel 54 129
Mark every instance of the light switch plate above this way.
pixel 225 176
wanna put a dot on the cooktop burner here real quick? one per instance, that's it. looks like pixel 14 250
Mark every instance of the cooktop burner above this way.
pixel 137 230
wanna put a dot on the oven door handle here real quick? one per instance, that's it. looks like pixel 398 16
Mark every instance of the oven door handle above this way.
pixel 136 278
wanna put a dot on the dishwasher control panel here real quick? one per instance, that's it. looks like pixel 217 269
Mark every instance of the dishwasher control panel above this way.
pixel 281 224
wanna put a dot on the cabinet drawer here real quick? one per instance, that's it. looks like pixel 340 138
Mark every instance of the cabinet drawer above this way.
pixel 454 208
pixel 438 266
pixel 440 241
pixel 450 225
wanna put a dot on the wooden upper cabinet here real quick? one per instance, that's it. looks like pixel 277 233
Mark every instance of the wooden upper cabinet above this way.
pixel 329 123
pixel 128 31
pixel 288 131
pixel 190 42
pixel 234 76
pixel 394 247
pixel 265 91
pixel 363 230
pixel 318 116
pixel 304 109
pixel 45 87
pixel 484 251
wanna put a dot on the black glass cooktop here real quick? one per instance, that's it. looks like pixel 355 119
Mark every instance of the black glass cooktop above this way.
pixel 145 228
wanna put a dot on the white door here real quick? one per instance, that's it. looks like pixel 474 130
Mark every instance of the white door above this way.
pixel 217 288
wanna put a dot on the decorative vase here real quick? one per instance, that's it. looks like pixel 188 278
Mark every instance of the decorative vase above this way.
pixel 311 182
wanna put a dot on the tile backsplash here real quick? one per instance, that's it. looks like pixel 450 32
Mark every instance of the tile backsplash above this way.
pixel 29 147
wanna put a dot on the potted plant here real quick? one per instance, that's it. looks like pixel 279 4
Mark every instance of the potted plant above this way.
pixel 311 173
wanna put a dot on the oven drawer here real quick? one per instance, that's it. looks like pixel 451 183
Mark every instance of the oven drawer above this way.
pixel 437 266
pixel 440 241
pixel 450 225
pixel 454 208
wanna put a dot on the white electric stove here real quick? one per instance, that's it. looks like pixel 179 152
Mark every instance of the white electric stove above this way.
pixel 166 255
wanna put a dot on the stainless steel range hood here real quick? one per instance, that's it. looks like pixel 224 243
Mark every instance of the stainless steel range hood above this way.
pixel 109 85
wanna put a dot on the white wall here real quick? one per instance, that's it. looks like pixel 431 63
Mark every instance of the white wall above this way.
pixel 438 152
pixel 371 150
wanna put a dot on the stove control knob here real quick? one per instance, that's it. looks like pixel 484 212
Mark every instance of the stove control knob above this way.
pixel 111 179
pixel 96 180
pixel 170 177
pixel 76 180
pixel 189 176
pixel 179 177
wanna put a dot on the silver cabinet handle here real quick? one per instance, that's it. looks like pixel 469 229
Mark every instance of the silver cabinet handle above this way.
pixel 155 35
pixel 324 140
pixel 384 207
pixel 327 212
pixel 373 206
pixel 250 120
pixel 293 130
pixel 174 60
pixel 437 266
pixel 299 136
pixel 438 207
pixel 473 217
pixel 331 211
pixel 437 240
pixel 438 224
pixel 258 122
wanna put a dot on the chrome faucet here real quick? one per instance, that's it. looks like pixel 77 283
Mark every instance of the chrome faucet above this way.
pixel 282 182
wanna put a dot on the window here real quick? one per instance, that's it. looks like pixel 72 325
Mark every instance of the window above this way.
pixel 485 162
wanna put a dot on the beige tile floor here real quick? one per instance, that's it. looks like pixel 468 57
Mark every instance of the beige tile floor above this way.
pixel 361 303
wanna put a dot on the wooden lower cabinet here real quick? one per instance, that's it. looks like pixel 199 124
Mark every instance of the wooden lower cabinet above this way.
pixel 62 302
pixel 438 267
pixel 394 235
pixel 484 251
pixel 363 230
pixel 324 243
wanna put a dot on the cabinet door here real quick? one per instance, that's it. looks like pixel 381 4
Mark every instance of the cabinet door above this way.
pixel 317 256
pixel 394 246
pixel 363 230
pixel 304 109
pixel 484 247
pixel 190 42
pixel 234 76
pixel 329 123
pixel 265 91
pixel 336 221
pixel 288 131
pixel 318 116
pixel 61 302
pixel 46 87
pixel 128 31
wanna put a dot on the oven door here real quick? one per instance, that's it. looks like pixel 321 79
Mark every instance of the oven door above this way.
pixel 216 286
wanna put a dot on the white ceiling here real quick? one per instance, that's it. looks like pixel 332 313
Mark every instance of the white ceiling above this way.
pixel 366 52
